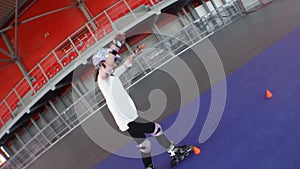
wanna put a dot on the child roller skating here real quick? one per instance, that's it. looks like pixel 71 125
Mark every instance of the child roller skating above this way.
pixel 123 108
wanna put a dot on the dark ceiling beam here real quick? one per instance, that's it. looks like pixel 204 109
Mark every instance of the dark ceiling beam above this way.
pixel 16 28
pixel 6 29
pixel 7 54
pixel 27 7
pixel 9 6
pixel 81 5
pixel 47 13
pixel 37 17
pixel 5 66
pixel 13 50
pixel 7 60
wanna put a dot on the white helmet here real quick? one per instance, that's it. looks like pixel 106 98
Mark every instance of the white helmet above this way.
pixel 101 55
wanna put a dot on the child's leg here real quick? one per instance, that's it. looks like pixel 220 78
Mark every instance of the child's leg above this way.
pixel 137 130
pixel 155 129
pixel 162 139
pixel 143 143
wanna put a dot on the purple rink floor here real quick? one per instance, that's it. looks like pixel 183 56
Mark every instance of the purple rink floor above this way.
pixel 254 132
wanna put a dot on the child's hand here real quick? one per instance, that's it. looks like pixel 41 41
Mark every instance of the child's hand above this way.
pixel 139 48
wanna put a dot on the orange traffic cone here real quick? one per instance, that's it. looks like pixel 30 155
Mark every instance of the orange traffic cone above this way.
pixel 196 150
pixel 268 94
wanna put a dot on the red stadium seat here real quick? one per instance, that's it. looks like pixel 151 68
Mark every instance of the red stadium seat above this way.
pixel 148 2
pixel 65 61
pixel 73 55
pixel 39 83
pixel 135 3
pixel 51 73
pixel 23 88
pixel 5 115
pixel 118 11
pixel 38 76
pixel 12 100
pixel 79 47
pixel 108 28
pixel 88 43
pixel 57 67
pixel 100 34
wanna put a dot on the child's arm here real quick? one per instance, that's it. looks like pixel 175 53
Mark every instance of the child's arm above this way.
pixel 129 61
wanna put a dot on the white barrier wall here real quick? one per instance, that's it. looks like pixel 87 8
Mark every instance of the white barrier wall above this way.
pixel 210 6
pixel 218 3
pixel 250 4
pixel 201 10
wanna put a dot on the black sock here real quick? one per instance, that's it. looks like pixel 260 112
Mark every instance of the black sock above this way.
pixel 147 160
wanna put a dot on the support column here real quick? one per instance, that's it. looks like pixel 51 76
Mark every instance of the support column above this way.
pixel 128 47
pixel 205 6
pixel 208 20
pixel 15 52
pixel 24 146
pixel 192 11
pixel 31 136
pixel 69 97
pixel 16 28
pixel 82 87
pixel 20 140
pixel 82 7
pixel 77 91
pixel 180 20
pixel 216 8
pixel 187 16
pixel 15 58
pixel 9 46
pixel 39 131
pixel 62 102
pixel 58 114
pixel 46 123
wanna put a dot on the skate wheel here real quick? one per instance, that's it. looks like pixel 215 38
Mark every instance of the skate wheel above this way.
pixel 187 154
pixel 174 162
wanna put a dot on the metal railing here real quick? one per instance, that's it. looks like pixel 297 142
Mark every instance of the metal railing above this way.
pixel 146 63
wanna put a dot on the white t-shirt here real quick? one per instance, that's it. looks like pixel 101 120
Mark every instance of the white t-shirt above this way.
pixel 118 101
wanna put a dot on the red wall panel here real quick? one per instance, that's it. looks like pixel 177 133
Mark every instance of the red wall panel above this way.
pixel 97 6
pixel 38 37
pixel 9 72
pixel 10 76
pixel 43 6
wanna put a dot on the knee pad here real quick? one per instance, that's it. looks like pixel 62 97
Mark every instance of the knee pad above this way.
pixel 145 146
pixel 157 131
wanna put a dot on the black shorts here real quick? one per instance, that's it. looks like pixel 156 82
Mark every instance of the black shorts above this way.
pixel 139 127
